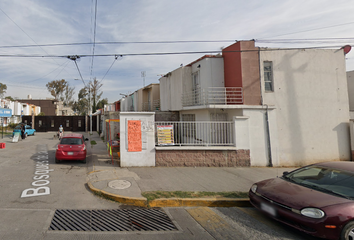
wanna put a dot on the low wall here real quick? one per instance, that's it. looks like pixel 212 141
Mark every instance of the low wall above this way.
pixel 202 158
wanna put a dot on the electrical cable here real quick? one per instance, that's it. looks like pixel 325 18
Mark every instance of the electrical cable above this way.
pixel 170 53
pixel 315 29
pixel 112 43
pixel 115 59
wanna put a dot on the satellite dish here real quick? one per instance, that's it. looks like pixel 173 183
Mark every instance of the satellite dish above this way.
pixel 346 48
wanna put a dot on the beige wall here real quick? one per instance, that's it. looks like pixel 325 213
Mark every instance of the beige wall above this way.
pixel 311 100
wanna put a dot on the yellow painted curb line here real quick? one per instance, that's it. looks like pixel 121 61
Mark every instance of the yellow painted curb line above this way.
pixel 140 202
pixel 200 202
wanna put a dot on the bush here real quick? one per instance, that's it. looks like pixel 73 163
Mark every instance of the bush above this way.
pixel 12 125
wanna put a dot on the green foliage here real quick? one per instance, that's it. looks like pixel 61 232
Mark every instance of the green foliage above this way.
pixel 41 114
pixel 101 103
pixel 10 98
pixel 56 88
pixel 12 125
pixel 3 89
pixel 96 93
pixel 81 105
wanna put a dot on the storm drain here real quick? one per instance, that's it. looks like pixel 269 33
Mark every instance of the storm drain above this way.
pixel 112 220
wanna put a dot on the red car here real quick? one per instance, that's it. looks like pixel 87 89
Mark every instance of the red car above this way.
pixel 71 147
pixel 317 199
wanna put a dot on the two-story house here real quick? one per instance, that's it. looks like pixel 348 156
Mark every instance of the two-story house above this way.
pixel 294 102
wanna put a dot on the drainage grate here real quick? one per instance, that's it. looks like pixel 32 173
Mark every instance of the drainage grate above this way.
pixel 112 220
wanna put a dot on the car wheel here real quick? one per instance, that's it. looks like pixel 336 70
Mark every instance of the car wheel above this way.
pixel 57 161
pixel 348 231
pixel 84 161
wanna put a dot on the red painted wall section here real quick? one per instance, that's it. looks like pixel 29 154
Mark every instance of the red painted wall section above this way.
pixel 241 69
pixel 117 105
pixel 232 65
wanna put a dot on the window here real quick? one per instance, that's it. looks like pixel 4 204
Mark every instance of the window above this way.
pixel 79 123
pixel 67 123
pixel 52 123
pixel 39 123
pixel 268 76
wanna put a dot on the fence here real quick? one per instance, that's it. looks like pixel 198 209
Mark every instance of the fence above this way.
pixel 201 133
pixel 213 95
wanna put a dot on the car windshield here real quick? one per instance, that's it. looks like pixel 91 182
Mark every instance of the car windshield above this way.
pixel 18 127
pixel 328 180
pixel 71 141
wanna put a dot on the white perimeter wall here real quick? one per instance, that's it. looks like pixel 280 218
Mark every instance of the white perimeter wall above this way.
pixel 311 100
pixel 146 157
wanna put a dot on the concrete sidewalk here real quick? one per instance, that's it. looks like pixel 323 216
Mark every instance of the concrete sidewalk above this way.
pixel 125 185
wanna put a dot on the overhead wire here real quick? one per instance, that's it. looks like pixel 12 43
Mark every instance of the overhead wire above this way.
pixel 168 53
pixel 65 64
pixel 115 59
pixel 112 43
pixel 25 33
pixel 314 29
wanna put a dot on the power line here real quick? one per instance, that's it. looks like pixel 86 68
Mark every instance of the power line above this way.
pixel 314 29
pixel 167 53
pixel 115 59
pixel 112 43
pixel 25 32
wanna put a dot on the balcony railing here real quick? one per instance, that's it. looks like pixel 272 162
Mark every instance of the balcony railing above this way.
pixel 201 133
pixel 213 95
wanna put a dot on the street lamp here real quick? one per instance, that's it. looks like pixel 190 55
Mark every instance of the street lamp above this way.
pixel 89 107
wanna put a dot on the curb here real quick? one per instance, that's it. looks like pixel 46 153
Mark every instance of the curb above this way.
pixel 139 202
pixel 173 202
pixel 200 202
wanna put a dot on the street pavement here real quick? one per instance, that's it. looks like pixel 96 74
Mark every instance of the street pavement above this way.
pixel 106 178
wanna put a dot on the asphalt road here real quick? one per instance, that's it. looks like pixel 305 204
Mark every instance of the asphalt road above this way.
pixel 26 212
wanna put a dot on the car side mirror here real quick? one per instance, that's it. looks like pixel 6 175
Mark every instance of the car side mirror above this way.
pixel 86 139
pixel 285 173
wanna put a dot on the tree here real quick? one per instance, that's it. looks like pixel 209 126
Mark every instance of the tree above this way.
pixel 10 98
pixel 3 89
pixel 61 90
pixel 101 103
pixel 80 106
pixel 96 93
pixel 68 95
pixel 57 88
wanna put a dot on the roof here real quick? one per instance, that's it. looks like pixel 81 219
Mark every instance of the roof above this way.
pixel 205 56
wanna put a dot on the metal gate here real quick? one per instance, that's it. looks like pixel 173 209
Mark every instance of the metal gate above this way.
pixel 69 123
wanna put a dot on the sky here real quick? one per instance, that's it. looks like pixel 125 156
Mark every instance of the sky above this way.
pixel 117 40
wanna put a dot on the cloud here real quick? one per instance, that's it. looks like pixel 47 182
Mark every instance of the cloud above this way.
pixel 47 22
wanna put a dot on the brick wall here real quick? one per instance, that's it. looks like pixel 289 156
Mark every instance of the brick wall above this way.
pixel 202 158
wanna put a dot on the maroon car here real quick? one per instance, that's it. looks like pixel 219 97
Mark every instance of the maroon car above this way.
pixel 317 199
pixel 71 147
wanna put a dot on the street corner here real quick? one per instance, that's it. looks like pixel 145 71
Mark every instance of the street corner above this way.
pixel 100 175
pixel 135 201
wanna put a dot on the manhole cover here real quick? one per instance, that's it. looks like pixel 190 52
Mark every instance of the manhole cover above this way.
pixel 119 184
pixel 112 220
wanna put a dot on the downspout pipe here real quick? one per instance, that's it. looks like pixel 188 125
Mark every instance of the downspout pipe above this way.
pixel 270 162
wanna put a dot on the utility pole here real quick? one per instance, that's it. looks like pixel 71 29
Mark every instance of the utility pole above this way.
pixel 143 74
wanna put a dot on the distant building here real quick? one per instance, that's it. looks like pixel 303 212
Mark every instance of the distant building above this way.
pixel 47 106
